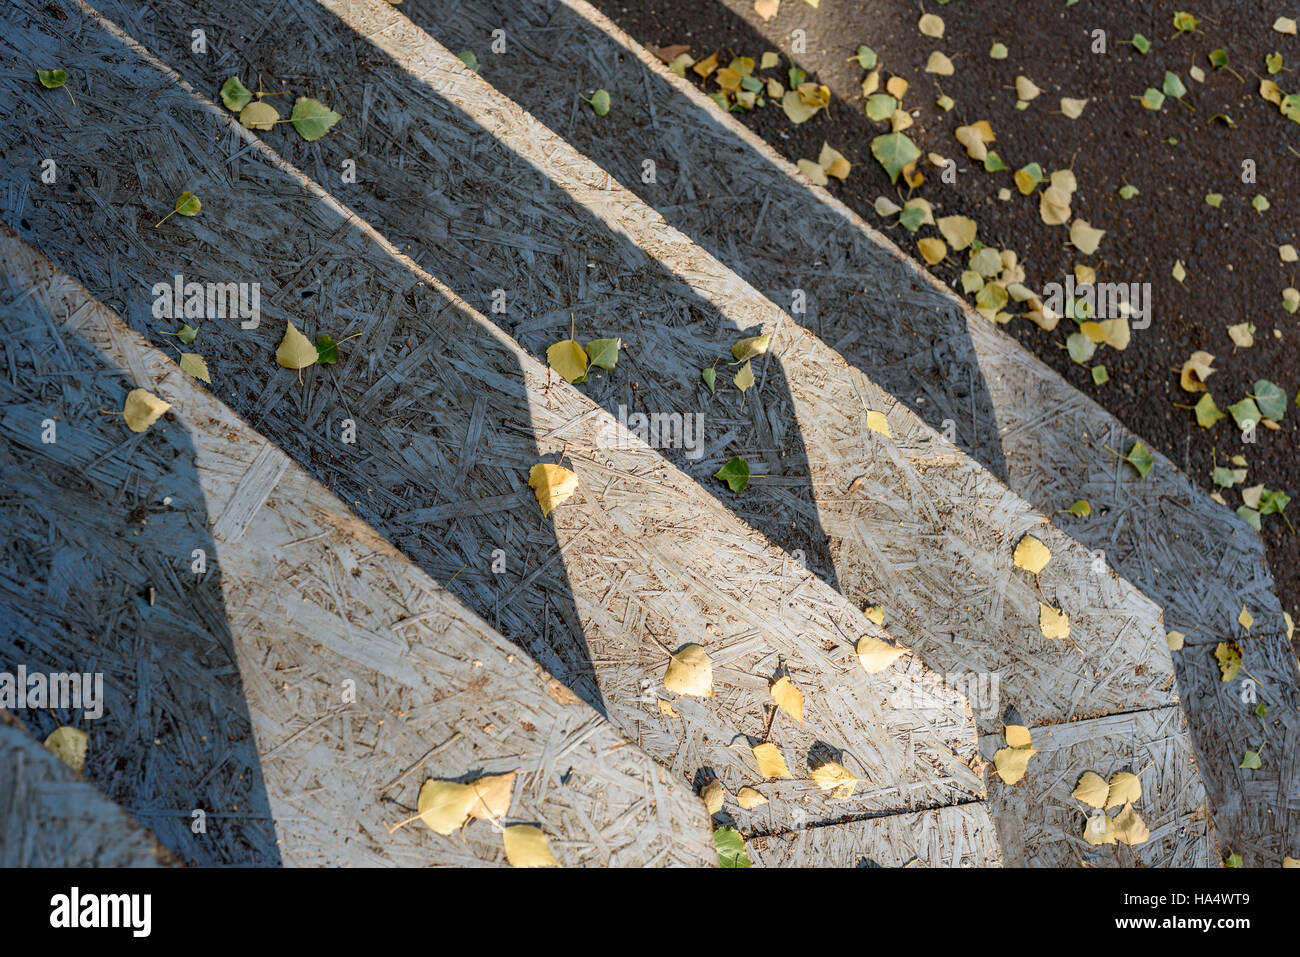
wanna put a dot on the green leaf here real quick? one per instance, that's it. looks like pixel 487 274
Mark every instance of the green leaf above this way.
pixel 993 162
pixel 312 118
pixel 1173 86
pixel 880 106
pixel 235 95
pixel 1260 202
pixel 735 473
pixel 1273 502
pixel 327 350
pixel 604 352
pixel 1270 399
pixel 894 151
pixel 468 58
pixel 710 378
pixel 1127 192
pixel 1140 43
pixel 1245 413
pixel 1250 761
pixel 1214 199
pixel 731 848
pixel 1261 710
pixel 1233 860
pixel 1185 22
pixel 796 76
pixel 1153 99
pixel 1219 58
pixel 866 58
pixel 599 102
pixel 1099 375
pixel 1250 515
pixel 1207 413
pixel 186 334
pixel 992 297
pixel 187 204
pixel 1081 509
pixel 912 218
pixel 1223 477
pixel 193 363
pixel 52 79
pixel 1140 458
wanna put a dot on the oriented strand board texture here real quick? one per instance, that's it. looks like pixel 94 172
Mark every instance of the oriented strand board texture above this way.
pixel 51 817
pixel 363 677
pixel 720 185
pixel 450 414
pixel 1048 824
pixel 957 836
pixel 909 521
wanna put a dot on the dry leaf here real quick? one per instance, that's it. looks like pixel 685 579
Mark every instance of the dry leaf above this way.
pixel 1011 763
pixel 877 422
pixel 1031 555
pixel 1017 736
pixel 1175 639
pixel 1195 371
pixel 142 409
pixel 835 778
pixel 1245 619
pixel 1092 790
pixel 745 377
pixel 295 351
pixel 787 697
pixel 771 763
pixel 492 795
pixel 553 484
pixel 690 672
pixel 875 655
pixel 833 162
pixel 958 230
pixel 939 65
pixel 1099 830
pixel 193 363
pixel 526 846
pixel 931 25
pixel 932 250
pixel 748 798
pixel 1129 827
pixel 1025 88
pixel 70 746
pixel 1072 108
pixel 713 795
pixel 1053 622
pixel 445 805
pixel 1125 788
pixel 1084 237
pixel 569 359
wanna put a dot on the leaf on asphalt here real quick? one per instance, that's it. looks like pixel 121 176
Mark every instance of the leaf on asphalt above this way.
pixel 1084 237
pixel 959 231
pixel 931 26
pixel 1195 371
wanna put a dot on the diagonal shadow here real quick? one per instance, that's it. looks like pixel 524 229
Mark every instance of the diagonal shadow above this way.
pixel 101 527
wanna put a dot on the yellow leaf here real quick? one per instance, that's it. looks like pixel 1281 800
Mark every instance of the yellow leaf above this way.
pixel 1093 330
pixel 939 65
pixel 877 422
pixel 875 613
pixel 931 25
pixel 1270 91
pixel 526 847
pixel 706 66
pixel 1125 788
pixel 1031 555
pixel 1290 862
pixel 900 120
pixel 1175 639
pixel 896 87
pixel 193 363
pixel 796 110
pixel 1052 622
pixel 1099 830
pixel 771 763
pixel 1017 736
pixel 445 805
pixel 553 485
pixel 70 746
pixel 1195 371
pixel 295 351
pixel 833 162
pixel 666 708
pixel 259 115
pixel 958 230
pixel 748 798
pixel 569 359
pixel 1129 827
pixel 1228 654
pixel 1011 763
pixel 690 672
pixel 492 796
pixel 932 250
pixel 1084 237
pixel 970 138
pixel 1091 790
pixel 815 173
pixel 745 377
pixel 142 409
pixel 787 697
pixel 1180 271
pixel 1117 333
pixel 713 795
pixel 875 655
pixel 767 10
pixel 834 778
pixel 1072 108
pixel 1050 210
pixel 1025 88
pixel 1245 619
pixel 753 346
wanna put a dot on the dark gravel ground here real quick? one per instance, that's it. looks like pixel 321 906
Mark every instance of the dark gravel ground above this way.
pixel 1234 271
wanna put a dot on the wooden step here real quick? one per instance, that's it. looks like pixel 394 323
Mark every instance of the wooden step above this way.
pixel 640 561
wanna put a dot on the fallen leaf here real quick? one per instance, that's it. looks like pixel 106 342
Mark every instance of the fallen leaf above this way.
pixel 1195 371
pixel 526 846
pixel 713 795
pixel 259 115
pixel 603 353
pixel 1176 640
pixel 730 845
pixel 569 359
pixel 1084 237
pixel 939 65
pixel 312 118
pixel 1092 790
pixel 1228 655
pixel 877 422
pixel 748 798
pixel 744 379
pixel 193 363
pixel 1099 830
pixel 1073 109
pixel 735 472
pixel 235 95
pixel 875 655
pixel 931 26
pixel 835 778
pixel 70 746
pixel 1031 555
pixel 959 231
pixel 552 484
pixel 1053 622
pixel 1250 761
pixel 1129 827
pixel 1017 736
pixel 1012 763
pixel 445 805
pixel 295 351
pixel 142 409
pixel 771 763
pixel 1125 787
pixel 787 697
pixel 690 672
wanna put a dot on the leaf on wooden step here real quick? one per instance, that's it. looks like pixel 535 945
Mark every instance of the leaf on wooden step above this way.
pixel 1228 655
pixel 604 352
pixel 569 359
pixel 142 409
pixel 1017 736
pixel 1092 790
pixel 690 672
pixel 444 805
pixel 753 346
pixel 1031 555
pixel 735 472
pixel 876 655
pixel 492 794
pixel 327 350
pixel 1081 508
pixel 787 697
pixel 1012 763
pixel 730 845
pixel 1140 458
pixel 1099 830
pixel 70 745
pixel 526 846
pixel 1125 787
pixel 312 118
pixel 1175 640
pixel 186 334
pixel 235 95
pixel 771 762
pixel 1053 622
pixel 296 351
pixel 748 798
pixel 1250 761
pixel 1245 619
pixel 877 422
pixel 875 613
pixel 710 379
pixel 193 363
pixel 1130 829
pixel 552 484
pixel 834 778
pixel 744 379
pixel 714 795
pixel 259 115
pixel 52 79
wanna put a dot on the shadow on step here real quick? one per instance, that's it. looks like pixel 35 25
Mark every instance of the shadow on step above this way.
pixel 103 530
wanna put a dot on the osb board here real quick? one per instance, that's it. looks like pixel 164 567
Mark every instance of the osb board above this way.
pixel 957 836
pixel 729 192
pixel 450 415
pixel 1040 825
pixel 908 521
pixel 302 599
pixel 50 816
